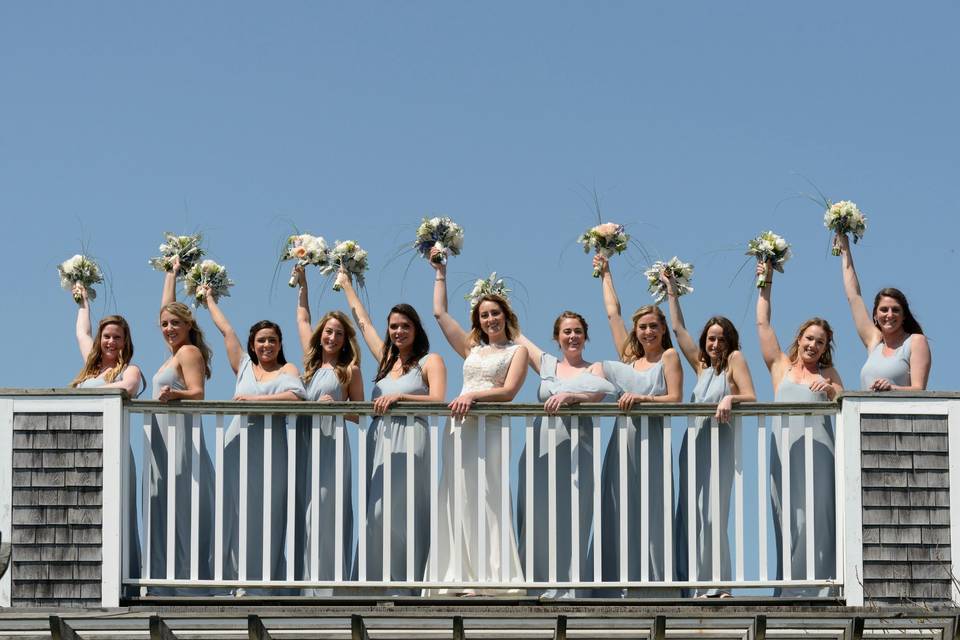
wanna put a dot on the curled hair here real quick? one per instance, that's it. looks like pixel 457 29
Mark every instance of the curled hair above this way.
pixel 511 325
pixel 195 335
pixel 731 340
pixel 826 359
pixel 390 354
pixel 91 367
pixel 632 349
pixel 260 326
pixel 569 315
pixel 910 324
pixel 348 356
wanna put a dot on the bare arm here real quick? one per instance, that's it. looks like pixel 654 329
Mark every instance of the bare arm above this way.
pixel 869 334
pixel 367 330
pixel 434 374
pixel 170 284
pixel 533 352
pixel 284 396
pixel 740 382
pixel 611 303
pixel 84 330
pixel 451 329
pixel 235 350
pixel 511 386
pixel 688 347
pixel 829 383
pixel 354 392
pixel 673 376
pixel 769 346
pixel 130 381
pixel 304 322
pixel 190 362
pixel 920 360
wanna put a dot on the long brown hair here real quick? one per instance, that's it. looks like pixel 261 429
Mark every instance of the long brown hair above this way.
pixel 569 315
pixel 632 349
pixel 910 324
pixel 826 360
pixel 511 325
pixel 195 336
pixel 390 354
pixel 730 337
pixel 348 356
pixel 91 367
pixel 251 340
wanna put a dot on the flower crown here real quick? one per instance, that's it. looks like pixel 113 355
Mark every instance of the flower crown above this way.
pixel 486 286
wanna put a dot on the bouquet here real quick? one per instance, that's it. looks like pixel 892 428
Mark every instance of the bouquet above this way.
pixel 80 270
pixel 347 255
pixel 187 248
pixel 769 247
pixel 484 286
pixel 844 217
pixel 443 234
pixel 679 272
pixel 306 249
pixel 207 275
pixel 605 240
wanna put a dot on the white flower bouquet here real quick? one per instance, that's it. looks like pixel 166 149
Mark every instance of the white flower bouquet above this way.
pixel 769 247
pixel 442 234
pixel 347 255
pixel 306 250
pixel 484 286
pixel 604 239
pixel 845 217
pixel 680 272
pixel 186 248
pixel 204 276
pixel 80 270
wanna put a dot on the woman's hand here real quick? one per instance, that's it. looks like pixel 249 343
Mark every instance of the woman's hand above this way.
pixel 668 282
pixel 461 405
pixel 881 384
pixel 765 269
pixel 298 275
pixel 435 261
pixel 841 240
pixel 175 265
pixel 326 398
pixel 382 404
pixel 80 293
pixel 555 402
pixel 342 280
pixel 600 263
pixel 627 400
pixel 165 394
pixel 723 409
pixel 821 385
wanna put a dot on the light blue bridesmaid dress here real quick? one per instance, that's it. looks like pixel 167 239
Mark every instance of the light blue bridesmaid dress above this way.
pixel 895 367
pixel 324 382
pixel 160 484
pixel 823 489
pixel 397 428
pixel 247 384
pixel 711 388
pixel 551 385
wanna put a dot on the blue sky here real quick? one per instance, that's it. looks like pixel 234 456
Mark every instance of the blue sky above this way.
pixel 120 121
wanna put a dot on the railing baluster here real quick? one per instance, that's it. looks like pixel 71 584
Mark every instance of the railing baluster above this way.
pixel 386 529
pixel 623 500
pixel 172 423
pixel 762 497
pixel 457 524
pixel 314 514
pixel 267 552
pixel 785 505
pixel 738 492
pixel 291 452
pixel 810 515
pixel 597 506
pixel 645 478
pixel 528 519
pixel 506 534
pixel 194 494
pixel 218 500
pixel 551 426
pixel 361 501
pixel 146 480
pixel 434 427
pixel 718 519
pixel 411 500
pixel 481 506
pixel 243 486
pixel 574 575
pixel 691 501
pixel 338 506
pixel 126 497
pixel 839 493
pixel 667 499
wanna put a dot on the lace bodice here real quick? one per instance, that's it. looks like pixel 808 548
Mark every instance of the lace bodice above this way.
pixel 486 366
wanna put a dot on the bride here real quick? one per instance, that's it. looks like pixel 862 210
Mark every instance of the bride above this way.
pixel 493 371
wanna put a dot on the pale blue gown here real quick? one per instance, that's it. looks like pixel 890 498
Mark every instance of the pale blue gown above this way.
pixel 396 427
pixel 711 388
pixel 324 382
pixel 133 521
pixel 551 385
pixel 823 489
pixel 649 382
pixel 895 367
pixel 247 384
pixel 160 484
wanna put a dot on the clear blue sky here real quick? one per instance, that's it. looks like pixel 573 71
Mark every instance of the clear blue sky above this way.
pixel 119 121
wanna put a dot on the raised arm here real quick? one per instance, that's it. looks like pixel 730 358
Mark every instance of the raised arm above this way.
pixel 84 329
pixel 869 334
pixel 688 347
pixel 451 329
pixel 170 284
pixel 611 303
pixel 360 315
pixel 235 350
pixel 534 353
pixel 769 346
pixel 304 322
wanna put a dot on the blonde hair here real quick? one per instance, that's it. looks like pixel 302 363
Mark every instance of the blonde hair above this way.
pixel 195 337
pixel 349 353
pixel 91 367
pixel 632 349
pixel 511 326
pixel 826 359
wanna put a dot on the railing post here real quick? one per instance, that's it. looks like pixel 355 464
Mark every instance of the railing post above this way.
pixel 848 428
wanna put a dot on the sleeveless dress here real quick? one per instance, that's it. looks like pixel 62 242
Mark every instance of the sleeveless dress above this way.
pixel 395 427
pixel 160 484
pixel 485 367
pixel 550 385
pixel 711 388
pixel 324 382
pixel 247 384
pixel 648 382
pixel 823 487
pixel 895 367
pixel 133 521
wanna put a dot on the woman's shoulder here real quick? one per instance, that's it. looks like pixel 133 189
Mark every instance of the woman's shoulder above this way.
pixel 189 353
pixel 290 369
pixel 670 356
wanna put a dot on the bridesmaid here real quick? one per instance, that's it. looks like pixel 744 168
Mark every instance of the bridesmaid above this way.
pixel 898 355
pixel 407 372
pixel 181 377
pixel 804 373
pixel 649 371
pixel 107 364
pixel 563 382
pixel 263 375
pixel 331 373
pixel 723 378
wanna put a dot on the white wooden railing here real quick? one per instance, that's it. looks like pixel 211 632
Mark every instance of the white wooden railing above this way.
pixel 750 517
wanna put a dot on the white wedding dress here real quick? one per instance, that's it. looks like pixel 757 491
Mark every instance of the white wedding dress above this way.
pixel 481 550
